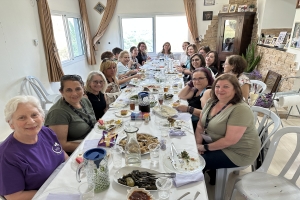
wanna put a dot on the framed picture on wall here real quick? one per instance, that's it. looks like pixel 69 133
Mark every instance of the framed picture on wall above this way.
pixel 281 38
pixel 268 41
pixel 207 15
pixel 298 4
pixel 225 8
pixel 209 2
pixel 295 39
pixel 99 7
pixel 232 8
pixel 274 41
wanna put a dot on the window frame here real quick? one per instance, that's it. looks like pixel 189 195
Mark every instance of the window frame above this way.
pixel 153 16
pixel 65 16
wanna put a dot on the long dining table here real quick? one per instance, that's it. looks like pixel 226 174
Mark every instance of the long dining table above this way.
pixel 64 178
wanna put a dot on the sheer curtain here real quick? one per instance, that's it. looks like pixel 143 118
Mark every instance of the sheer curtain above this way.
pixel 90 53
pixel 54 67
pixel 190 10
pixel 108 13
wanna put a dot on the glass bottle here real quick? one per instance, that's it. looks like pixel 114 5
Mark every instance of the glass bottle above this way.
pixel 132 147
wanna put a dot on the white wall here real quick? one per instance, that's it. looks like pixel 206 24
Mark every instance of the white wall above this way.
pixel 277 13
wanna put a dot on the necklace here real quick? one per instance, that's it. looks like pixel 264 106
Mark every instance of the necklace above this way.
pixel 97 96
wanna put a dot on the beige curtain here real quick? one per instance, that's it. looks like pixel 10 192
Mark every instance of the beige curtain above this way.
pixel 190 10
pixel 90 53
pixel 108 13
pixel 54 68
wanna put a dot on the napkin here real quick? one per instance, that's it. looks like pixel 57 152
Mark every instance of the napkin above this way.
pixel 63 196
pixel 89 144
pixel 176 132
pixel 183 179
pixel 183 116
pixel 111 139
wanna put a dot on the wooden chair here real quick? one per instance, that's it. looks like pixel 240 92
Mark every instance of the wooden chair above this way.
pixel 272 80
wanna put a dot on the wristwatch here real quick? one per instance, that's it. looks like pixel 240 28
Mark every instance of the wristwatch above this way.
pixel 206 147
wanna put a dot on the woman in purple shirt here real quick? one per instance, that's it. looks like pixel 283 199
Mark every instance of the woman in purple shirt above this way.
pixel 31 153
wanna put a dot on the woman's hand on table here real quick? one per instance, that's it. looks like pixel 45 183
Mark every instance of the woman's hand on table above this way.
pixel 200 148
pixel 179 69
pixel 182 108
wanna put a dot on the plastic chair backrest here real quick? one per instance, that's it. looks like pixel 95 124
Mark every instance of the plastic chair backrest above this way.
pixel 273 146
pixel 269 118
pixel 258 86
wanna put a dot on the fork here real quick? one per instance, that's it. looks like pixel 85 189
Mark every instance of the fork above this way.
pixel 178 155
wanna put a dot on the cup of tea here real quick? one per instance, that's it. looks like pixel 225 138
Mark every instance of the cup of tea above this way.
pixel 166 89
pixel 132 104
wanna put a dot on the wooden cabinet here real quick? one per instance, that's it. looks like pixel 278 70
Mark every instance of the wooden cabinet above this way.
pixel 234 33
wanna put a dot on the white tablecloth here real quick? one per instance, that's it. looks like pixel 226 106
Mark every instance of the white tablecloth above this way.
pixel 66 177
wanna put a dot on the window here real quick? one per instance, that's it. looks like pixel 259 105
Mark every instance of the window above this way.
pixel 68 36
pixel 154 31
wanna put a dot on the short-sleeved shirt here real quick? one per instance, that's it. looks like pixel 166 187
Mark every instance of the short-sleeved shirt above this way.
pixel 98 103
pixel 122 69
pixel 183 57
pixel 246 150
pixel 26 167
pixel 243 79
pixel 61 114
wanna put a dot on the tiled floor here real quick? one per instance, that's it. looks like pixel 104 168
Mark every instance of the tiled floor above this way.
pixel 285 147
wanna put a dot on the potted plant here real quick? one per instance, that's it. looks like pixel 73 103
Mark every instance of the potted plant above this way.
pixel 252 58
pixel 251 7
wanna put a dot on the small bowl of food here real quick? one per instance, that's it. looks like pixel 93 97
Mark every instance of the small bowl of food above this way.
pixel 136 193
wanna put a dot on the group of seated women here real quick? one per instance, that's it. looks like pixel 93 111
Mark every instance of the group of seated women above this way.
pixel 225 134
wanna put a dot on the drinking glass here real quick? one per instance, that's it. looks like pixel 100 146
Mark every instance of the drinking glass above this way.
pixel 117 156
pixel 160 99
pixel 86 191
pixel 154 153
pixel 163 185
pixel 132 104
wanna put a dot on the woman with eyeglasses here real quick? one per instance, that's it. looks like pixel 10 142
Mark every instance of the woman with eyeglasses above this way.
pixel 125 74
pixel 236 64
pixel 142 55
pixel 95 87
pixel 72 117
pixel 204 50
pixel 196 92
pixel 166 51
pixel 134 52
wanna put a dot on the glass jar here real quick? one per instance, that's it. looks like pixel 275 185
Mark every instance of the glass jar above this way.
pixel 132 147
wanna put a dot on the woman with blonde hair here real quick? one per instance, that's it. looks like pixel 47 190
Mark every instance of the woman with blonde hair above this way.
pixel 109 69
pixel 166 51
pixel 95 87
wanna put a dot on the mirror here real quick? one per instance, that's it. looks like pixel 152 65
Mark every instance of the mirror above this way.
pixel 228 35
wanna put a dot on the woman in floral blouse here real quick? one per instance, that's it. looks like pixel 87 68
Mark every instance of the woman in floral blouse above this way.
pixel 236 65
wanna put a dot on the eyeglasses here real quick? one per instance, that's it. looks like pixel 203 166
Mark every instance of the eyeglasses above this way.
pixel 195 60
pixel 97 82
pixel 198 79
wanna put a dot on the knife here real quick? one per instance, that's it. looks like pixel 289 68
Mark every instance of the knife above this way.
pixel 172 159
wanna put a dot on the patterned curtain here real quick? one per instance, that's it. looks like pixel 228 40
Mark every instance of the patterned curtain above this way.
pixel 108 13
pixel 54 67
pixel 190 10
pixel 90 53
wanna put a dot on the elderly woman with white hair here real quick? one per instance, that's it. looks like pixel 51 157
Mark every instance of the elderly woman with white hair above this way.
pixel 95 87
pixel 31 153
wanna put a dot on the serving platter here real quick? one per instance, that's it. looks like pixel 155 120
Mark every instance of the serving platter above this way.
pixel 195 164
pixel 108 125
pixel 144 140
pixel 165 111
pixel 128 169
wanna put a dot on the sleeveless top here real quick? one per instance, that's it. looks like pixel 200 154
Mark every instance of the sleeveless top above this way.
pixel 98 106
pixel 195 102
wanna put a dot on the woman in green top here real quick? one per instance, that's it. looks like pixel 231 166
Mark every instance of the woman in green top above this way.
pixel 72 117
pixel 226 135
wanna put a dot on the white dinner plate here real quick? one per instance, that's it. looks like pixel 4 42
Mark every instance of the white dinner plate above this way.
pixel 186 167
pixel 60 190
pixel 118 104
pixel 165 111
pixel 118 113
pixel 128 169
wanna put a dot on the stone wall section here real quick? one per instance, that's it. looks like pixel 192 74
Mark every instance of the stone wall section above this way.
pixel 210 37
pixel 280 62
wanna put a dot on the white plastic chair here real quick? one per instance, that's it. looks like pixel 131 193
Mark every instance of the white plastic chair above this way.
pixel 33 86
pixel 261 185
pixel 257 86
pixel 269 118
